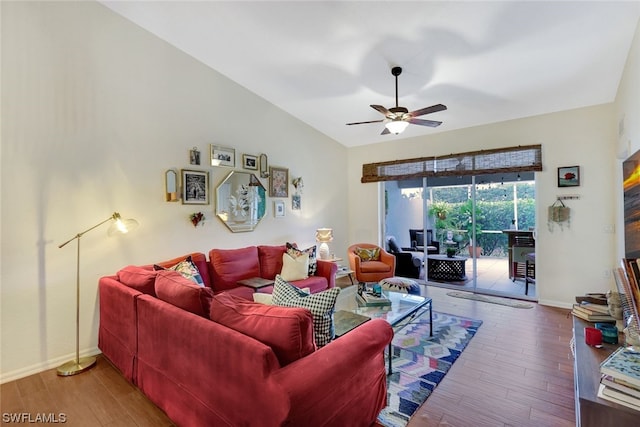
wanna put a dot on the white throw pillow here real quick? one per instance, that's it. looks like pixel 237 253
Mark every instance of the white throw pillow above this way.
pixel 294 268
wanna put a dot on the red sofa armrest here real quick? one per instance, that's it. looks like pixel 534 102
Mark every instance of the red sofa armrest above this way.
pixel 117 334
pixel 328 270
pixel 351 367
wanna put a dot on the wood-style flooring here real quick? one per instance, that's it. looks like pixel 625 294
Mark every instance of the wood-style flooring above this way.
pixel 516 371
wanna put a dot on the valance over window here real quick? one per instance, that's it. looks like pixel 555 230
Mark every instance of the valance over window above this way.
pixel 513 159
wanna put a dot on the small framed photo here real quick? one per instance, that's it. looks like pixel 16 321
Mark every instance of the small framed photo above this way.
pixel 278 209
pixel 195 187
pixel 223 156
pixel 278 182
pixel 250 162
pixel 296 202
pixel 194 156
pixel 569 176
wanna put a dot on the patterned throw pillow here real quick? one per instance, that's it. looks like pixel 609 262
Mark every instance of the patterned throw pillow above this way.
pixel 368 254
pixel 187 269
pixel 295 252
pixel 321 305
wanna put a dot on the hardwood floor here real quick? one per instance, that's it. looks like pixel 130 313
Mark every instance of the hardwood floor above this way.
pixel 516 371
pixel 98 397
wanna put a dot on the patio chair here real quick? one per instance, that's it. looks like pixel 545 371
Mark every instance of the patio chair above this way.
pixel 416 237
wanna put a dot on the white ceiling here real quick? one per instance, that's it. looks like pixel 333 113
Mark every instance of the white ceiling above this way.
pixel 325 62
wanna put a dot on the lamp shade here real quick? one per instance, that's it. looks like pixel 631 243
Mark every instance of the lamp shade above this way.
pixel 121 226
pixel 324 235
pixel 397 126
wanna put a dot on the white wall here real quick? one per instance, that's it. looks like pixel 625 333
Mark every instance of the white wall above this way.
pixel 570 261
pixel 94 110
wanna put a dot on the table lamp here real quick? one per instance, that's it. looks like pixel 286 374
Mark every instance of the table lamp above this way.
pixel 324 236
pixel 119 226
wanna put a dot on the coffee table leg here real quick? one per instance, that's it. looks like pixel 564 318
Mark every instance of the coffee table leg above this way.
pixel 431 318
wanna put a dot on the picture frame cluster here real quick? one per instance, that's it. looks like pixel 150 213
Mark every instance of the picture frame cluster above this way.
pixel 195 188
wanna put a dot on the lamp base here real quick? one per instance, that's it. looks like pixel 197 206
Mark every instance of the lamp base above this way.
pixel 323 251
pixel 74 367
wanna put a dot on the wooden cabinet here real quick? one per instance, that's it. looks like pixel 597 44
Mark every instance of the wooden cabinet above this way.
pixel 592 411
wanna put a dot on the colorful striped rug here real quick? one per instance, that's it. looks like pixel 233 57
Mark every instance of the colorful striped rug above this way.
pixel 420 362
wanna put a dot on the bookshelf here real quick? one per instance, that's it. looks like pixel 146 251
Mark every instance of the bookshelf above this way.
pixel 592 411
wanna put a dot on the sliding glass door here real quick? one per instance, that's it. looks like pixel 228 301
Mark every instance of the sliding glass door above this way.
pixel 470 218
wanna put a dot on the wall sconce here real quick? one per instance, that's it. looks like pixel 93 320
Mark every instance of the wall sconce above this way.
pixel 264 166
pixel 298 184
pixel 171 185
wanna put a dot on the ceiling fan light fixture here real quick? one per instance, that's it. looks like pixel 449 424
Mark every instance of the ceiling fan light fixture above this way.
pixel 397 126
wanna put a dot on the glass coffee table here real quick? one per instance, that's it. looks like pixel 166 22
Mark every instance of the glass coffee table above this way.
pixel 350 315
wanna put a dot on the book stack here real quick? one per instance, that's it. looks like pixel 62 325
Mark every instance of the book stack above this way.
pixel 620 380
pixel 592 312
pixel 368 299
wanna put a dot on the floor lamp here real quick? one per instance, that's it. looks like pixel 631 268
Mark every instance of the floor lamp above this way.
pixel 119 226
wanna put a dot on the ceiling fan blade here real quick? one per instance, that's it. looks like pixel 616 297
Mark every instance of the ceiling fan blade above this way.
pixel 428 110
pixel 362 123
pixel 385 132
pixel 422 122
pixel 380 109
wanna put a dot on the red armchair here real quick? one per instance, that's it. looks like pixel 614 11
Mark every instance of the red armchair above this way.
pixel 371 270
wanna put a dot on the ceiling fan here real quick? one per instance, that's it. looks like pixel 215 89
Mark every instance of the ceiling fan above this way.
pixel 398 118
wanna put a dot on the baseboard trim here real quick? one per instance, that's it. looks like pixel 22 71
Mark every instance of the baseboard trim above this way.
pixel 17 374
pixel 552 303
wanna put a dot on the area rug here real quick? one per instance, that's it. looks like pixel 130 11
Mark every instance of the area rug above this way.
pixel 420 362
pixel 492 300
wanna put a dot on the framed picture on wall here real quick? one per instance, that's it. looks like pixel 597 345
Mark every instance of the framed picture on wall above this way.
pixel 278 182
pixel 250 162
pixel 296 202
pixel 223 156
pixel 278 209
pixel 195 187
pixel 569 176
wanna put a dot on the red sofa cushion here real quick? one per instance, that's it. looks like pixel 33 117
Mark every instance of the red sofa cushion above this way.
pixel 139 278
pixel 270 260
pixel 177 290
pixel 288 331
pixel 198 258
pixel 228 266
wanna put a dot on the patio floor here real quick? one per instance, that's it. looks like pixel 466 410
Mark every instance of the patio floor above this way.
pixel 493 278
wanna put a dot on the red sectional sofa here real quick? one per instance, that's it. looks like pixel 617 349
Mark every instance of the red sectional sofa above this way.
pixel 156 328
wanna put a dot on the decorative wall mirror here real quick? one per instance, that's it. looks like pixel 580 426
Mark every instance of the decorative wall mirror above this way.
pixel 171 185
pixel 241 201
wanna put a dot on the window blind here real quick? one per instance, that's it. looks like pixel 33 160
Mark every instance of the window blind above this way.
pixel 512 159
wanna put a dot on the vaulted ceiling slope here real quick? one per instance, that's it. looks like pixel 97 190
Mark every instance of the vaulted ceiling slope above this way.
pixel 325 62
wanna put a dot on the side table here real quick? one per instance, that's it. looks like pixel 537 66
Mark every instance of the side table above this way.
pixel 344 272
